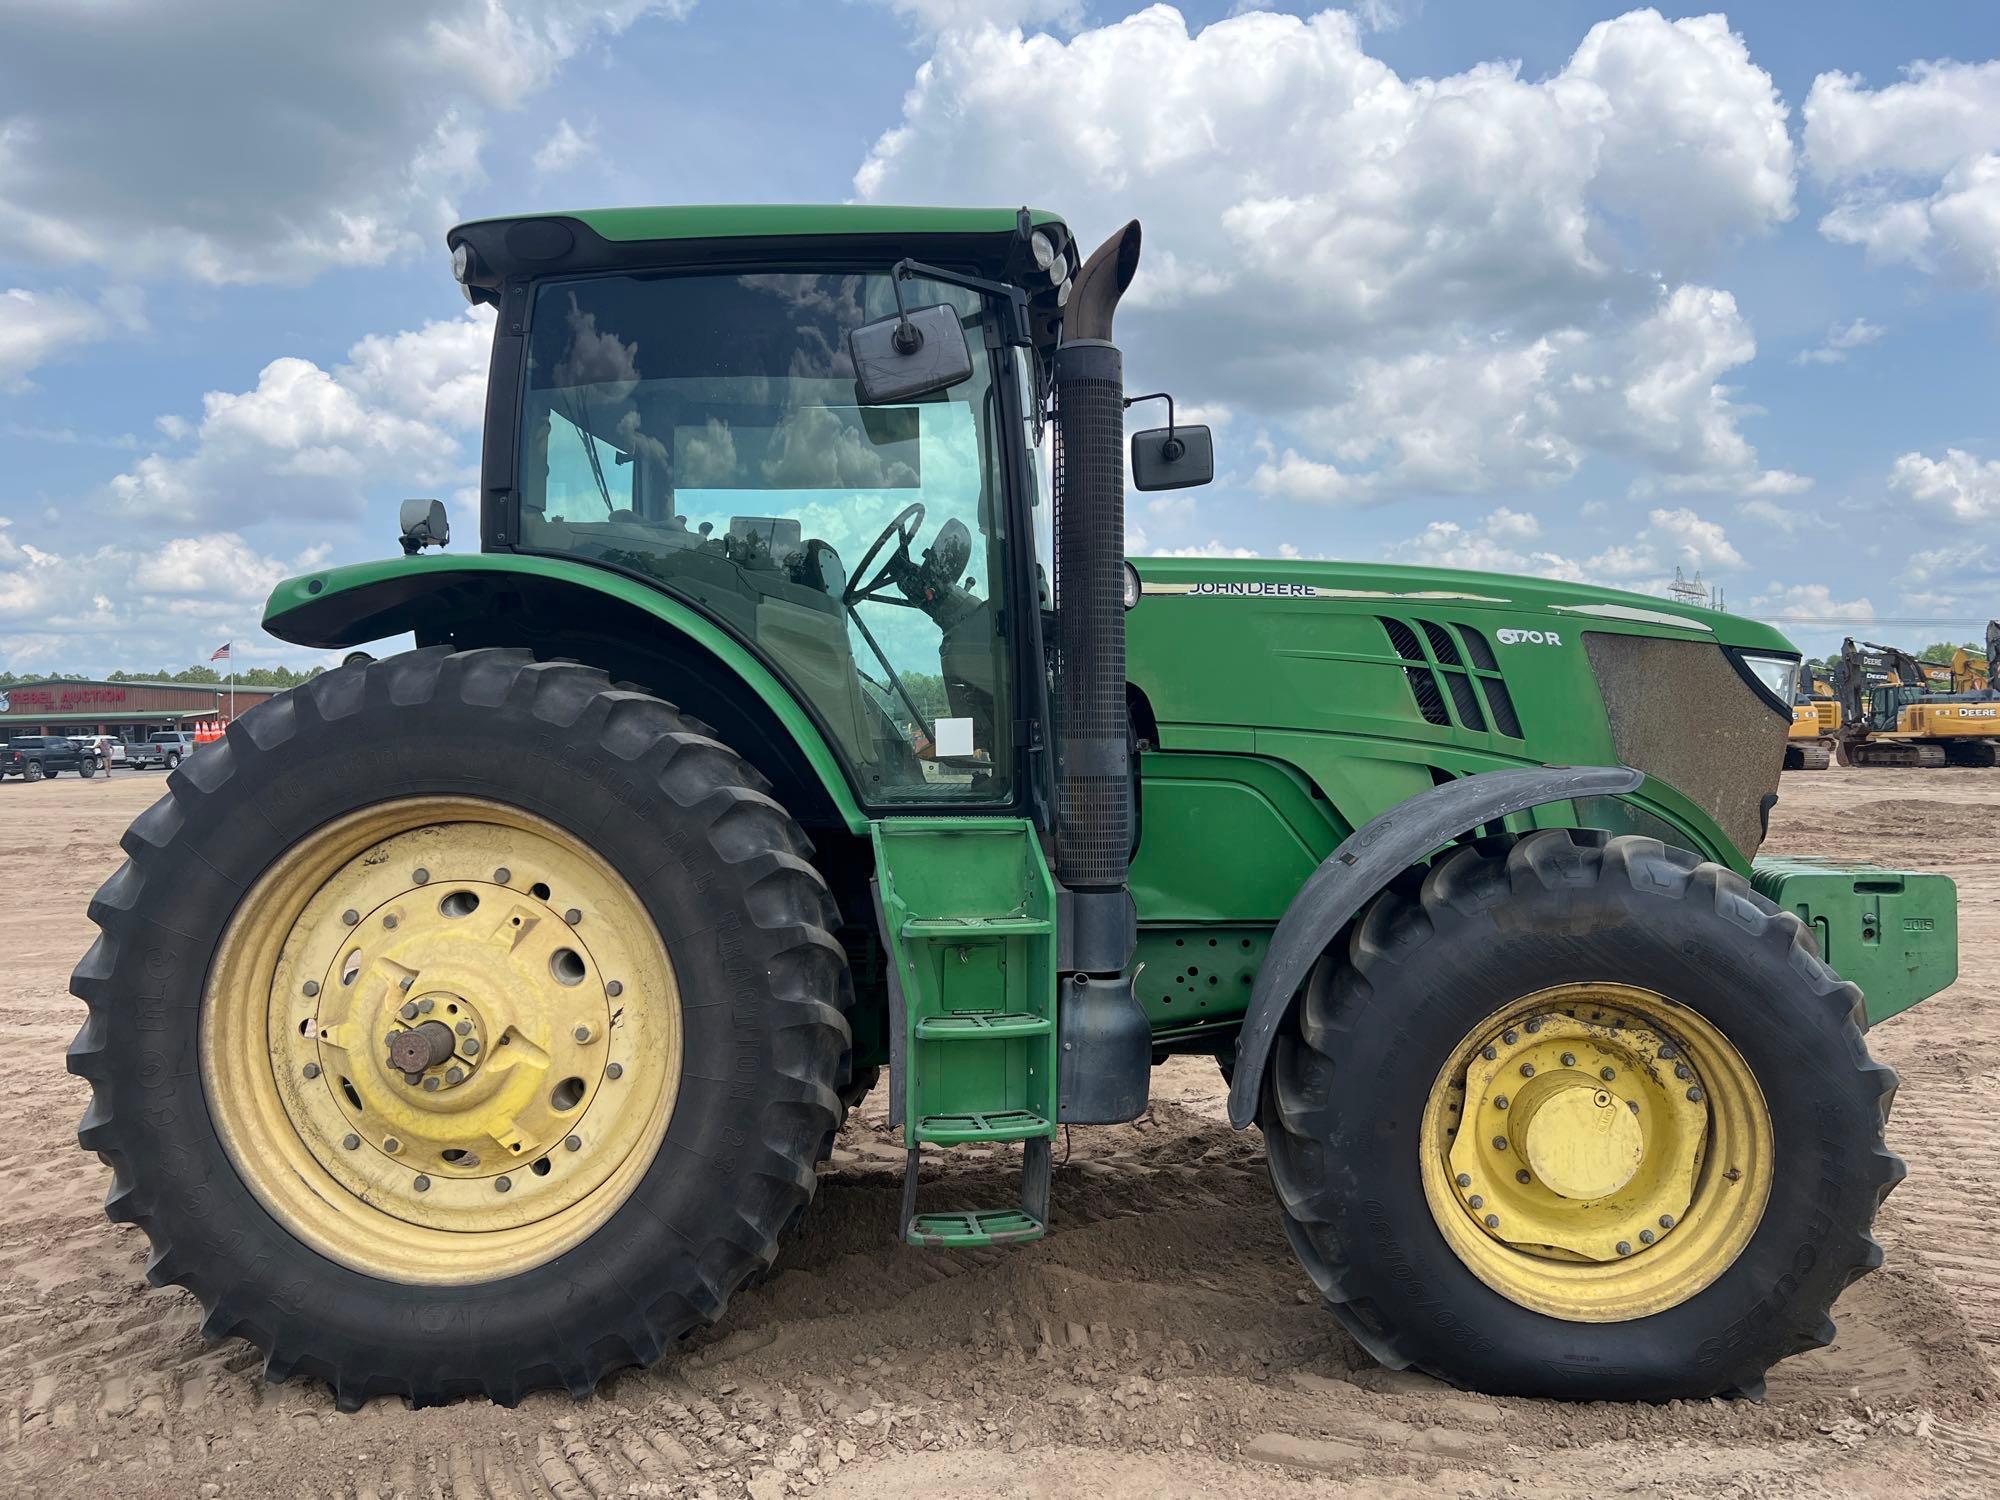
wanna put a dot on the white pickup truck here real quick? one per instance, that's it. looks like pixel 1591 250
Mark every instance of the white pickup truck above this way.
pixel 167 748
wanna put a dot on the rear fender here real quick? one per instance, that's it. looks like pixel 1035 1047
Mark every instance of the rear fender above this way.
pixel 1366 861
pixel 572 610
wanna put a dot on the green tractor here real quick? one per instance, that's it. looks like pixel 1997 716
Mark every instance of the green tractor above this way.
pixel 474 1018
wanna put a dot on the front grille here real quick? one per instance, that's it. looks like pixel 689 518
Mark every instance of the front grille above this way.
pixel 1453 676
pixel 1679 712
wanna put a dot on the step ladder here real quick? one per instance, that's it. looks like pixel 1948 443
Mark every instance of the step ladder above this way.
pixel 967 911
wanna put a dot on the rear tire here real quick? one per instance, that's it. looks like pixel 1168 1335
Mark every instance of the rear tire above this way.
pixel 1358 1062
pixel 173 760
pixel 719 871
pixel 34 771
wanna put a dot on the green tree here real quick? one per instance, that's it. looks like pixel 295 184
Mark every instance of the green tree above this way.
pixel 1943 651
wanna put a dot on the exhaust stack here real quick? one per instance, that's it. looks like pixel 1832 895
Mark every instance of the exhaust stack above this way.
pixel 1106 1053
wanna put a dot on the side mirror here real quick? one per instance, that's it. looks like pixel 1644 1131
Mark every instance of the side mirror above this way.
pixel 907 355
pixel 424 524
pixel 1172 458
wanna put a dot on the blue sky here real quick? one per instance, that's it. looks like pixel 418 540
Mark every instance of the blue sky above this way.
pixel 1539 286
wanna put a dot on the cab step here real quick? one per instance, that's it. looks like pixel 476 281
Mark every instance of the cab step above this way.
pixel 966 909
pixel 963 1228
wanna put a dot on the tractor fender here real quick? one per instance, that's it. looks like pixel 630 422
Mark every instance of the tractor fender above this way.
pixel 1366 861
pixel 485 598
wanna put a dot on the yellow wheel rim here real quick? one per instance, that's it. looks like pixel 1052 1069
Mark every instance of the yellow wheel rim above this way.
pixel 441 1040
pixel 1596 1152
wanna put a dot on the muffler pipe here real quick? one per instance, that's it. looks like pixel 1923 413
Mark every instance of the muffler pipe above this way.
pixel 1106 1058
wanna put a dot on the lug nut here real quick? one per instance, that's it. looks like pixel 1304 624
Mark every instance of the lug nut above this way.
pixel 1695 1095
pixel 430 1085
pixel 616 1070
pixel 1569 1059
pixel 453 1075
pixel 1522 1177
pixel 502 875
pixel 1645 1236
pixel 471 1046
pixel 1607 1074
pixel 1499 1143
pixel 614 989
pixel 409 1011
pixel 503 1185
pixel 1509 1037
pixel 351 1142
pixel 405 982
pixel 392 1145
pixel 1681 1072
pixel 311 988
pixel 1475 1201
pixel 311 1070
pixel 1624 1247
pixel 1493 1221
pixel 1490 1053
pixel 1534 1025
pixel 572 916
pixel 1500 1101
pixel 1669 1051
pixel 575 1143
pixel 1465 1179
pixel 465 1028
pixel 426 1005
pixel 582 1033
pixel 350 916
pixel 1527 1070
pixel 422 1184
pixel 421 876
pixel 1666 1221
pixel 390 920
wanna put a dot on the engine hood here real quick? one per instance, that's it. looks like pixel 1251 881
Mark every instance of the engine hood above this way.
pixel 1580 605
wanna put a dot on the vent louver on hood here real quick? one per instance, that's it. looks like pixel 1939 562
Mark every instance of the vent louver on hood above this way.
pixel 1454 676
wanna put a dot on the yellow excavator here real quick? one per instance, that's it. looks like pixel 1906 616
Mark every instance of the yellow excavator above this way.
pixel 1815 723
pixel 1891 716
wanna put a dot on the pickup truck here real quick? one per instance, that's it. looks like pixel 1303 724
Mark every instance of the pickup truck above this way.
pixel 34 756
pixel 167 748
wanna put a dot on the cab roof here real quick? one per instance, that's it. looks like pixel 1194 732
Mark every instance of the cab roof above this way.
pixel 708 221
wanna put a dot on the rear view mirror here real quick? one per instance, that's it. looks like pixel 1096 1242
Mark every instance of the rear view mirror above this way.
pixel 907 355
pixel 1172 458
pixel 423 524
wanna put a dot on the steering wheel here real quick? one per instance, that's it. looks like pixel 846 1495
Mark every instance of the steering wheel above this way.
pixel 909 520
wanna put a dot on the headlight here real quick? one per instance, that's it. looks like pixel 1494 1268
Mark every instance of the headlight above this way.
pixel 1062 294
pixel 1044 248
pixel 1131 585
pixel 1776 677
pixel 461 261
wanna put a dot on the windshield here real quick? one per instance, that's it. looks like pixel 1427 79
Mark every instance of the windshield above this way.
pixel 705 432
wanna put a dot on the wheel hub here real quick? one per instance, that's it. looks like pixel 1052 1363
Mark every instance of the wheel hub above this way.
pixel 1578 1136
pixel 465 1045
pixel 1596 1152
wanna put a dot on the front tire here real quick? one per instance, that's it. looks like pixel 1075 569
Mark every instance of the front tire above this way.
pixel 35 771
pixel 173 760
pixel 331 822
pixel 1429 1249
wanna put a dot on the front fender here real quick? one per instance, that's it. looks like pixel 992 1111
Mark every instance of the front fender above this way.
pixel 470 598
pixel 1366 861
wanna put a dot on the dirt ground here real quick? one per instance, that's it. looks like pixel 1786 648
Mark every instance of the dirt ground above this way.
pixel 1160 1342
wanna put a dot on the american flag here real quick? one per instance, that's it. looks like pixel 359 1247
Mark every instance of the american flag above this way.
pixel 221 652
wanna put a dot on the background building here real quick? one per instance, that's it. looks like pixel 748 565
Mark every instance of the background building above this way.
pixel 129 710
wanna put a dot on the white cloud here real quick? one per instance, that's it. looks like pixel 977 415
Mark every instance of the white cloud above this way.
pixel 306 444
pixel 565 148
pixel 1472 417
pixel 1490 546
pixel 1495 544
pixel 1428 283
pixel 37 327
pixel 242 141
pixel 91 610
pixel 1841 340
pixel 1684 538
pixel 1914 166
pixel 1959 486
pixel 1778 517
pixel 933 16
